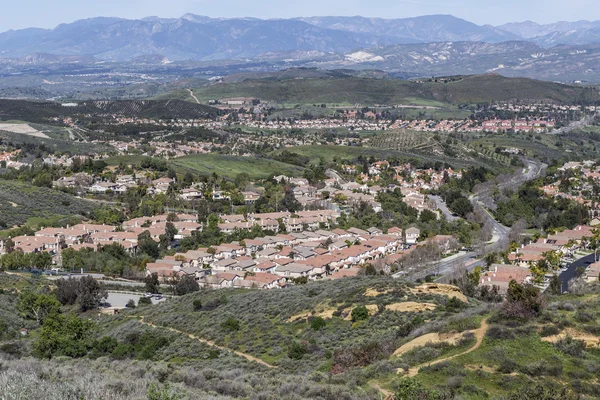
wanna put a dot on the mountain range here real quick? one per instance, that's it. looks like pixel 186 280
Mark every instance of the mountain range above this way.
pixel 409 47
pixel 200 38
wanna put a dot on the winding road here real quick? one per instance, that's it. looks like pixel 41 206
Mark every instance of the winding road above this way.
pixel 532 170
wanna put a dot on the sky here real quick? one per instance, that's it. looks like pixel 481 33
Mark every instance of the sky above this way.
pixel 49 13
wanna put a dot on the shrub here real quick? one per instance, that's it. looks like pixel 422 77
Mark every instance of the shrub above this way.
pixel 297 351
pixel 360 314
pixel 507 366
pixel 144 301
pixel 197 303
pixel 231 324
pixel 571 346
pixel 455 305
pixel 584 316
pixel 499 332
pixel 317 323
pixel 130 304
pixel 549 330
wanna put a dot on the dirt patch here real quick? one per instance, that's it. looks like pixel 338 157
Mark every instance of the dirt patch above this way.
pixel 589 339
pixel 371 292
pixel 14 205
pixel 410 306
pixel 440 289
pixel 326 313
pixel 23 129
pixel 450 338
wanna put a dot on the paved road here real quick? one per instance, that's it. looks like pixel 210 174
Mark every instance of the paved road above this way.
pixel 120 300
pixel 569 274
pixel 532 170
pixel 443 207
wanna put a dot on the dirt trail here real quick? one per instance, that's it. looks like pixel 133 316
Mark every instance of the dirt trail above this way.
pixel 479 335
pixel 193 96
pixel 387 395
pixel 208 342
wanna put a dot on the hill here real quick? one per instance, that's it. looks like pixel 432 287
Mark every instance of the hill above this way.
pixel 369 91
pixel 41 111
pixel 356 338
pixel 21 202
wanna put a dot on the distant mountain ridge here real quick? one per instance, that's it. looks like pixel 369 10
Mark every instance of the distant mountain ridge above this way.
pixel 419 46
pixel 194 37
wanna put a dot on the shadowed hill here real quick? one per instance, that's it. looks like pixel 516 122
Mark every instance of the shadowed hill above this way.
pixel 351 89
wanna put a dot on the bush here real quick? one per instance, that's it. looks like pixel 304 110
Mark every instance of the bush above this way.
pixel 499 332
pixel 197 304
pixel 231 324
pixel 130 304
pixel 549 330
pixel 455 305
pixel 360 314
pixel 571 346
pixel 507 366
pixel 144 301
pixel 297 351
pixel 317 323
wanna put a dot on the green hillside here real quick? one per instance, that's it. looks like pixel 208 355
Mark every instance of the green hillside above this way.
pixel 356 338
pixel 231 166
pixel 20 202
pixel 369 91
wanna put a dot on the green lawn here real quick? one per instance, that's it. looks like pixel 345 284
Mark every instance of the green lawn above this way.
pixel 231 166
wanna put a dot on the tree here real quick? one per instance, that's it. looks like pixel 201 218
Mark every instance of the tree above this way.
pixel 66 291
pixel 555 285
pixel 147 245
pixel 152 283
pixel 37 306
pixel 41 260
pixel 64 335
pixel 186 285
pixel 522 302
pixel 130 304
pixel 171 231
pixel 461 206
pixel 359 314
pixel 317 323
pixel 90 293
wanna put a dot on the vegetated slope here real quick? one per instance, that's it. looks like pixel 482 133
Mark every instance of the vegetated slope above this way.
pixel 41 111
pixel 55 145
pixel 231 166
pixel 327 90
pixel 370 91
pixel 265 324
pixel 20 201
pixel 494 87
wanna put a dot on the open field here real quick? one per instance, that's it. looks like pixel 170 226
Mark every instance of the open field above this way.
pixel 231 166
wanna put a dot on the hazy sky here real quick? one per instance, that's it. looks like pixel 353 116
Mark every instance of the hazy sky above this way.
pixel 17 14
